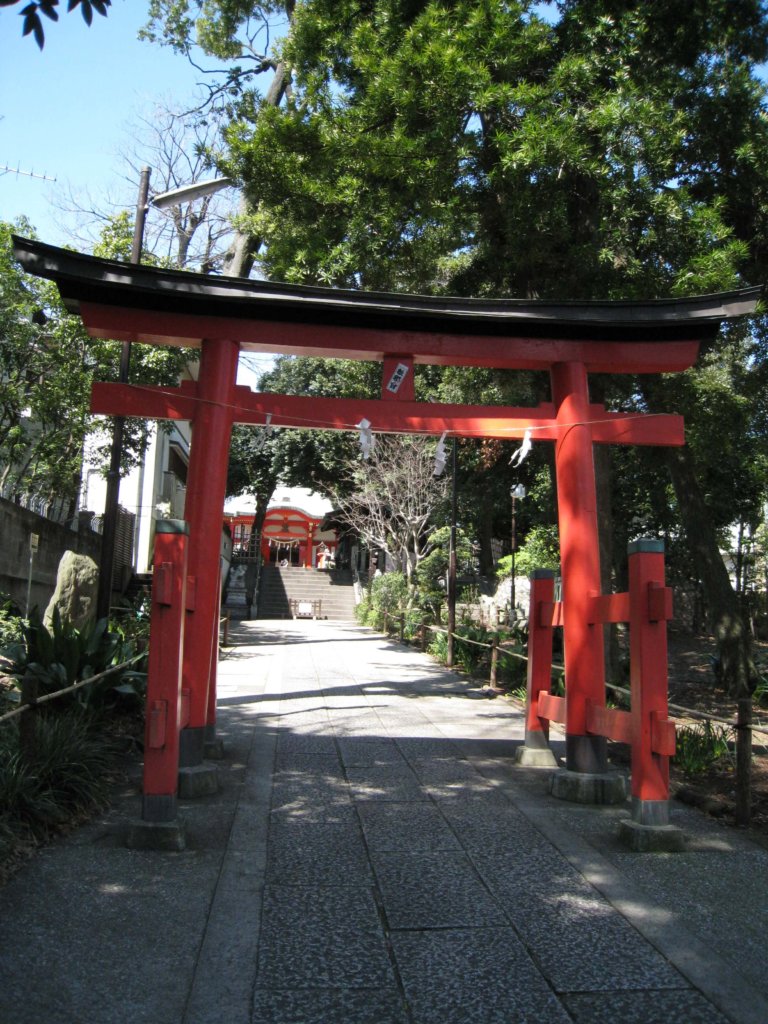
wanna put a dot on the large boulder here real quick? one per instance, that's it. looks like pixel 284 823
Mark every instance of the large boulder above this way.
pixel 77 584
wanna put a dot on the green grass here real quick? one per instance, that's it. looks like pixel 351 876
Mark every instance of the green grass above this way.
pixel 700 747
pixel 68 772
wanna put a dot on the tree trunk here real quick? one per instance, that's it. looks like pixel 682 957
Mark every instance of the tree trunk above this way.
pixel 736 667
pixel 485 537
pixel 242 253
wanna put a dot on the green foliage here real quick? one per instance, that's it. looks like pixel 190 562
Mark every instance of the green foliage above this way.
pixel 700 747
pixel 468 655
pixel 431 572
pixel 47 366
pixel 438 646
pixel 64 655
pixel 387 595
pixel 67 771
pixel 33 24
pixel 541 550
pixel 46 384
pixel 11 622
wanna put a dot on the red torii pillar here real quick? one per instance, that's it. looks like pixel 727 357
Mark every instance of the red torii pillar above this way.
pixel 204 508
pixel 580 564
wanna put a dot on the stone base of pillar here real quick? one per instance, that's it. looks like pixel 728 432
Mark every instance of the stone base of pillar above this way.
pixel 588 788
pixel 168 836
pixel 535 757
pixel 191 744
pixel 213 748
pixel 198 780
pixel 651 838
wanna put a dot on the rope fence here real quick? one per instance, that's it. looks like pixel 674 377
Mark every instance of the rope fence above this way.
pixel 742 726
pixel 32 702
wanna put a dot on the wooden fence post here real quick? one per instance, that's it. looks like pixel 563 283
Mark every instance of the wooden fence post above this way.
pixel 30 690
pixel 744 762
pixel 494 659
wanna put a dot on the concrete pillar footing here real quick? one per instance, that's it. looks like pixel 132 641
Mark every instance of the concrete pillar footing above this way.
pixel 535 757
pixel 167 836
pixel 588 788
pixel 198 780
pixel 651 838
pixel 213 750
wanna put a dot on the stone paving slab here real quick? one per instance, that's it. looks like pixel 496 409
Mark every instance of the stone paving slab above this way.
pixel 321 937
pixel 480 976
pixel 434 890
pixel 319 1006
pixel 408 827
pixel 376 857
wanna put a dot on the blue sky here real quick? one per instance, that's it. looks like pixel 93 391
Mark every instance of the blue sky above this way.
pixel 64 112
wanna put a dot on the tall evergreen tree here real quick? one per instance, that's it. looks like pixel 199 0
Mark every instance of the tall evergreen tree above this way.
pixel 471 146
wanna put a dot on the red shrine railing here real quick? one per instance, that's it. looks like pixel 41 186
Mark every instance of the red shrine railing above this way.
pixel 646 607
pixel 167 705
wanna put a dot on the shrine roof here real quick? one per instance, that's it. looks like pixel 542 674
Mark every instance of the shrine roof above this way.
pixel 179 307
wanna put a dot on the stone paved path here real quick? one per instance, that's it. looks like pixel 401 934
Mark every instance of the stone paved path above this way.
pixel 375 857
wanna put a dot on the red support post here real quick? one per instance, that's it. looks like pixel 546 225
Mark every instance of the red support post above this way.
pixel 653 735
pixel 206 490
pixel 166 641
pixel 580 560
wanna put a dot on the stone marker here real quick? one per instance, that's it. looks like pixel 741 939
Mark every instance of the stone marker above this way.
pixel 77 582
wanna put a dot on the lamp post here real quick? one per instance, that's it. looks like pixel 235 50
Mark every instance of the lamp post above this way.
pixel 517 492
pixel 109 533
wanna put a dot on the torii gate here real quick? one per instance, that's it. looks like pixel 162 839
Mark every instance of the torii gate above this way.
pixel 224 316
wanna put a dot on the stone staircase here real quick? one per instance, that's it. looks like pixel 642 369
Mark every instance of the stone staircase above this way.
pixel 332 592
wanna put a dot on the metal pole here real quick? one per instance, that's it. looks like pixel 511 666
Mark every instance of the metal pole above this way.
pixel 452 563
pixel 109 533
pixel 34 540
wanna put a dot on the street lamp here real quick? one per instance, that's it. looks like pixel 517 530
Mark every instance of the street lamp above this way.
pixel 518 492
pixel 109 532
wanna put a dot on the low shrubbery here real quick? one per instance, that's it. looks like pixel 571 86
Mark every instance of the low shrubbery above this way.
pixel 57 760
pixel 698 748
pixel 63 655
pixel 386 597
pixel 63 770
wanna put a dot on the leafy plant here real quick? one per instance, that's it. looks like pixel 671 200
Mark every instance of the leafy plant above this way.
pixel 438 646
pixel 67 771
pixel 386 597
pixel 700 747
pixel 64 655
pixel 11 622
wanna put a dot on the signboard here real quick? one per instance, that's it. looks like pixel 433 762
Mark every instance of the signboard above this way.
pixel 397 378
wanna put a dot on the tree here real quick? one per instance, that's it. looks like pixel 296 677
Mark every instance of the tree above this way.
pixel 239 35
pixel 45 377
pixel 47 366
pixel 195 234
pixel 479 149
pixel 31 14
pixel 391 497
